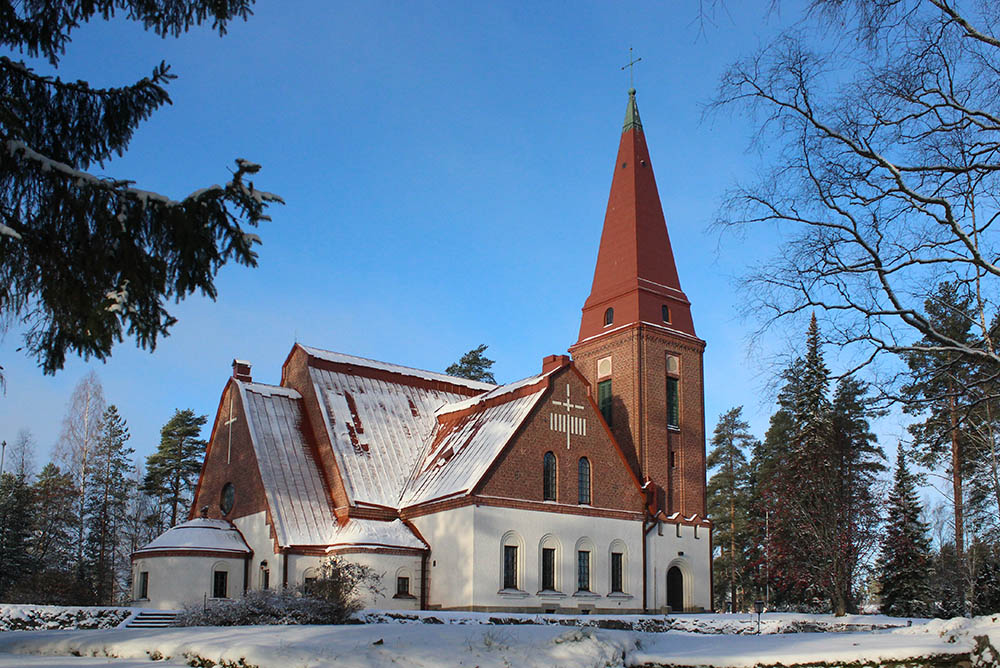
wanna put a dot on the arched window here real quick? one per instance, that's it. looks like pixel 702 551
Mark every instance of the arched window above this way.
pixel 609 317
pixel 511 561
pixel 549 477
pixel 666 313
pixel 583 480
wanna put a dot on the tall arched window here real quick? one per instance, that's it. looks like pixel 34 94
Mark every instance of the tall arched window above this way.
pixel 583 480
pixel 609 317
pixel 549 477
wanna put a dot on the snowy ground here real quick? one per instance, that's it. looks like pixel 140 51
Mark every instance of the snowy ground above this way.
pixel 470 640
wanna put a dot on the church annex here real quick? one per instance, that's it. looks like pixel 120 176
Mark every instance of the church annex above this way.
pixel 580 489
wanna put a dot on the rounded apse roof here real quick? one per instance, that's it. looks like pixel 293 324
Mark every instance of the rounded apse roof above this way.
pixel 198 535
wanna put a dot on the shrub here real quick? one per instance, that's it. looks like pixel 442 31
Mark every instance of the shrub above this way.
pixel 330 599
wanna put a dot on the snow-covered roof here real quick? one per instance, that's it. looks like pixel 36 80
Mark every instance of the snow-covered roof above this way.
pixel 296 493
pixel 464 446
pixel 396 368
pixel 378 429
pixel 374 533
pixel 199 534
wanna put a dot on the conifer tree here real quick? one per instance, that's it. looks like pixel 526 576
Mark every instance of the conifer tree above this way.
pixel 108 493
pixel 473 365
pixel 728 505
pixel 939 393
pixel 819 465
pixel 86 259
pixel 905 566
pixel 171 471
pixel 15 530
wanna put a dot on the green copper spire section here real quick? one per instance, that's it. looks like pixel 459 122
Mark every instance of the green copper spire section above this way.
pixel 632 113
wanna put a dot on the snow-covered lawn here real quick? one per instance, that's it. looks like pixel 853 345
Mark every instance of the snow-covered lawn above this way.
pixel 470 640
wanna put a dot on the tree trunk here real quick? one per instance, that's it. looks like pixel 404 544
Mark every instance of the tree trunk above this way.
pixel 956 481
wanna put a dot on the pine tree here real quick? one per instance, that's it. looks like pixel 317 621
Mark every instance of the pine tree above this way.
pixel 15 530
pixel 473 365
pixel 108 492
pixel 939 393
pixel 728 505
pixel 905 566
pixel 171 471
pixel 85 259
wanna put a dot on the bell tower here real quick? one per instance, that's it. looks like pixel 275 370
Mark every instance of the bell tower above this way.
pixel 637 345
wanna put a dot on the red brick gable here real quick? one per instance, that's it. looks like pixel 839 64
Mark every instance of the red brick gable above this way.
pixel 230 462
pixel 516 474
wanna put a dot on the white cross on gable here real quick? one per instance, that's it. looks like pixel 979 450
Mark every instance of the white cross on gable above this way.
pixel 569 423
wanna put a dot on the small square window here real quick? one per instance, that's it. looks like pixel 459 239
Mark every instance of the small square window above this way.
pixel 402 586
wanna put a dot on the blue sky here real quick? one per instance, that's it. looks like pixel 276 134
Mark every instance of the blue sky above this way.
pixel 446 169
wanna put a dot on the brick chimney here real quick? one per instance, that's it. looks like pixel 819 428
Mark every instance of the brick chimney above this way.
pixel 550 362
pixel 241 371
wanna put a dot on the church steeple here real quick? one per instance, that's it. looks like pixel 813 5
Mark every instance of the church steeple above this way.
pixel 637 346
pixel 635 275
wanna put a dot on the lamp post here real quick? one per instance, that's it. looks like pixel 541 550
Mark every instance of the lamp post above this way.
pixel 758 607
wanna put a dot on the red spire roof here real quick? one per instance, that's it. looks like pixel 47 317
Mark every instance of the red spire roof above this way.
pixel 635 274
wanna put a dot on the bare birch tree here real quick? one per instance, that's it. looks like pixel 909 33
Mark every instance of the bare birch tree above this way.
pixel 80 433
pixel 21 455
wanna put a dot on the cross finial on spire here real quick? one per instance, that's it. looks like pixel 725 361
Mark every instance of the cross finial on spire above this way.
pixel 630 66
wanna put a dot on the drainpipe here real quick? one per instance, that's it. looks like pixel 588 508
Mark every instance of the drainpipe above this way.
pixel 284 568
pixel 424 558
pixel 645 572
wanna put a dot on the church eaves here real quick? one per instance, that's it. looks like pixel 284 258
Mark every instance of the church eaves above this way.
pixel 635 275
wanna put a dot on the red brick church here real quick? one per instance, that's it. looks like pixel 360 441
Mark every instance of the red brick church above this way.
pixel 580 489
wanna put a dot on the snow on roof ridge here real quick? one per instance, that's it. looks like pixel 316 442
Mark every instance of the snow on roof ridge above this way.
pixel 343 358
pixel 499 391
pixel 269 390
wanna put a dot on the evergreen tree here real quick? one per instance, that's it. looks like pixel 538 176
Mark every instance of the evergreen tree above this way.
pixel 15 530
pixel 85 258
pixel 816 484
pixel 171 471
pixel 473 365
pixel 108 493
pixel 939 393
pixel 905 566
pixel 728 505
pixel 51 579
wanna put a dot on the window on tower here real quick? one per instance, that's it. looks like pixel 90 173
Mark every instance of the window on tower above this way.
pixel 673 403
pixel 604 399
pixel 666 313
pixel 609 317
pixel 549 477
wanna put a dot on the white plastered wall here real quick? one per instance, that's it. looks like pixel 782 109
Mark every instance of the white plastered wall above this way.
pixel 177 581
pixel 257 534
pixel 466 544
pixel 450 535
pixel 691 553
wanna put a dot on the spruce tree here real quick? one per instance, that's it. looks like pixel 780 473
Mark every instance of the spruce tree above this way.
pixel 906 564
pixel 728 506
pixel 16 511
pixel 108 493
pixel 171 471
pixel 473 365
pixel 87 259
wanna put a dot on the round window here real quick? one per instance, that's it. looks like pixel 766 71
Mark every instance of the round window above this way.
pixel 228 498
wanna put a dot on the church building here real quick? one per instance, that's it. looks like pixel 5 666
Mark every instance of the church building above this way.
pixel 577 490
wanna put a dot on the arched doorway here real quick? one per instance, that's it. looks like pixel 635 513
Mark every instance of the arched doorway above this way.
pixel 675 589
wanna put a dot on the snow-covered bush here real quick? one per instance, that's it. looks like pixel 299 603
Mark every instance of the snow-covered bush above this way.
pixel 330 599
